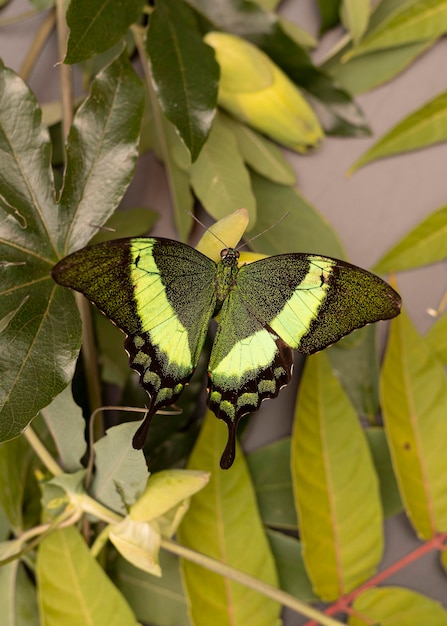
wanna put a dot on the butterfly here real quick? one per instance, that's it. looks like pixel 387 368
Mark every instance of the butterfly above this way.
pixel 163 294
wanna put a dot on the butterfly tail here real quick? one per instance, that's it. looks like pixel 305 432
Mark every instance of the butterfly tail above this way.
pixel 139 439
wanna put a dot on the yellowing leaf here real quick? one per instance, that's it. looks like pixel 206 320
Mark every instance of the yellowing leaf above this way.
pixel 73 588
pixel 392 606
pixel 414 401
pixel 336 488
pixel 223 522
pixel 425 244
pixel 424 127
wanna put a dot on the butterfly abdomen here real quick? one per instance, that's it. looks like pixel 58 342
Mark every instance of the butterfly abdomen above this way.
pixel 226 275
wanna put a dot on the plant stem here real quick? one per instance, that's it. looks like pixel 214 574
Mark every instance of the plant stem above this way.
pixel 52 466
pixel 249 581
pixel 38 43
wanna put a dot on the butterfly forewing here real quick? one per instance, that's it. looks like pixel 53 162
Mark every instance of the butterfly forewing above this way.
pixel 312 301
pixel 161 294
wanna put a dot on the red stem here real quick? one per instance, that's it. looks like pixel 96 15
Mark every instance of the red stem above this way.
pixel 343 604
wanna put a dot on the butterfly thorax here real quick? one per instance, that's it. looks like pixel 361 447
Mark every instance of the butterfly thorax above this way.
pixel 226 274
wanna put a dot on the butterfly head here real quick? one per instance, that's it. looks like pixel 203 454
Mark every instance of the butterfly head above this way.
pixel 229 256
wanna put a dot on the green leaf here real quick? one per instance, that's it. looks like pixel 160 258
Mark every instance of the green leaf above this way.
pixel 121 472
pixel 223 522
pixel 414 21
pixel 96 25
pixel 330 14
pixel 261 154
pixel 425 244
pixel 19 493
pixel 263 29
pixel 35 326
pixel 436 338
pixel 102 150
pixel 387 604
pixel 355 16
pixel 365 73
pixel 424 127
pixel 134 222
pixel 154 600
pixel 289 561
pixel 17 596
pixel 354 361
pixel 302 229
pixel 330 458
pixel 389 491
pixel 219 177
pixel 114 361
pixel 185 72
pixel 64 420
pixel 414 396
pixel 270 472
pixel 73 588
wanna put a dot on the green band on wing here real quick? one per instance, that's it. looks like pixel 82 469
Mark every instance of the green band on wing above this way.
pixel 157 315
pixel 295 318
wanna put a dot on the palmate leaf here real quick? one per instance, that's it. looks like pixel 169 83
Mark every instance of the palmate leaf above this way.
pixel 185 72
pixel 330 459
pixel 223 522
pixel 39 323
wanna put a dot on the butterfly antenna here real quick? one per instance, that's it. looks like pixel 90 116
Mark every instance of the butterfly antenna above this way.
pixel 196 219
pixel 246 243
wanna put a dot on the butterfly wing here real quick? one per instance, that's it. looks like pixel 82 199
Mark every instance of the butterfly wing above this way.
pixel 161 294
pixel 300 301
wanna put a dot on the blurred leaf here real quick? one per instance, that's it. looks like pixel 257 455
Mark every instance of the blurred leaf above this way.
pixel 424 244
pixel 385 605
pixel 414 397
pixel 155 600
pixel 102 149
pixel 248 20
pixel 121 472
pixel 303 229
pixel 19 492
pixel 219 177
pixel 113 360
pixel 261 154
pixel 330 458
pixel 415 20
pixel 291 570
pixel 223 522
pixel 424 127
pixel 298 34
pixel 365 73
pixel 96 25
pixel 436 338
pixel 354 362
pixel 330 14
pixel 389 490
pixel 173 153
pixel 73 588
pixel 64 420
pixel 18 597
pixel 128 223
pixel 270 472
pixel 355 16
pixel 185 72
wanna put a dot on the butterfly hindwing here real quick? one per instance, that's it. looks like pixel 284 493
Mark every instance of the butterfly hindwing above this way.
pixel 161 294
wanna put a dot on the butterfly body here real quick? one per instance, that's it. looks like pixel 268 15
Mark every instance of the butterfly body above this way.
pixel 163 294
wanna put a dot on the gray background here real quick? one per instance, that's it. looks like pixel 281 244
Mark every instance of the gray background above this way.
pixel 370 211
